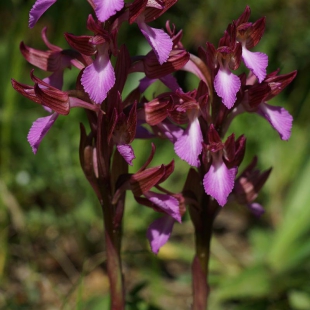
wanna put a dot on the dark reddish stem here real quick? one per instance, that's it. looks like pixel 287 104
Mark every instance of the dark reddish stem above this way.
pixel 203 223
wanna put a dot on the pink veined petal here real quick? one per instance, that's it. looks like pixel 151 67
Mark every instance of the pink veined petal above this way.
pixel 38 9
pixel 127 152
pixel 219 181
pixel 256 209
pixel 106 8
pixel 189 145
pixel 158 39
pixel 278 118
pixel 159 232
pixel 166 203
pixel 226 85
pixel 39 129
pixel 99 77
pixel 257 62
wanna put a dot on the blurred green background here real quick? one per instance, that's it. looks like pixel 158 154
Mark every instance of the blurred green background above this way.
pixel 51 246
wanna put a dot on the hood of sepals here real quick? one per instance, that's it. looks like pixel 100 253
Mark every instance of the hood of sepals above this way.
pixel 254 33
pixel 228 57
pixel 151 9
pixel 175 37
pixel 81 44
pixel 187 104
pixel 255 95
pixel 177 60
pixel 50 96
pixel 144 180
pixel 234 150
pixel 250 182
pixel 179 115
pixel 278 82
pixel 249 33
pixel 95 26
pixel 123 126
pixel 244 17
pixel 158 109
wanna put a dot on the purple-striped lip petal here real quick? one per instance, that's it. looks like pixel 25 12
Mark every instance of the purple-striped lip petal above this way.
pixel 278 118
pixel 166 203
pixel 219 181
pixel 255 61
pixel 227 85
pixel 127 152
pixel 99 77
pixel 159 232
pixel 39 129
pixel 158 39
pixel 106 8
pixel 189 146
pixel 38 9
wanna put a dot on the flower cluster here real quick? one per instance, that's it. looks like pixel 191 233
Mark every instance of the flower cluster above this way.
pixel 195 121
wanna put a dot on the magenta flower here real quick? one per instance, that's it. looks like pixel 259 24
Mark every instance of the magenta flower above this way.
pixel 228 57
pixel 142 12
pixel 222 160
pixel 170 204
pixel 258 95
pixel 53 100
pixel 99 77
pixel 249 35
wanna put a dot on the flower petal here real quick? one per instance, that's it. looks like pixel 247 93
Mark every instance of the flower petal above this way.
pixel 39 129
pixel 257 62
pixel 166 203
pixel 158 39
pixel 226 85
pixel 159 232
pixel 99 77
pixel 219 181
pixel 278 118
pixel 189 145
pixel 106 8
pixel 38 9
pixel 127 152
